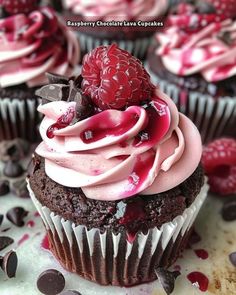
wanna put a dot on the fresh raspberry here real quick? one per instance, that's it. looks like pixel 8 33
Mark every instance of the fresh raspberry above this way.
pixel 219 162
pixel 19 6
pixel 113 78
pixel 224 7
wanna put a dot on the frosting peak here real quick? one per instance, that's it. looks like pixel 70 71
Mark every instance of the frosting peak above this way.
pixel 117 154
pixel 35 43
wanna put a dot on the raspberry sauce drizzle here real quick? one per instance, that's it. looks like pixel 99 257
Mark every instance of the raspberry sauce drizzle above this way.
pixel 201 253
pixel 199 280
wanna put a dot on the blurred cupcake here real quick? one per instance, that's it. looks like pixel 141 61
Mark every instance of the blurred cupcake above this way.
pixel 133 39
pixel 194 62
pixel 32 41
pixel 118 196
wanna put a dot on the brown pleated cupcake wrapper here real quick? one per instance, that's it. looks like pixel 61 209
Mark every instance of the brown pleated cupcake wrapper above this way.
pixel 137 47
pixel 213 117
pixel 19 118
pixel 108 258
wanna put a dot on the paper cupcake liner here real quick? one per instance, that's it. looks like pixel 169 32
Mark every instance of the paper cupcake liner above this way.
pixel 137 47
pixel 19 118
pixel 213 118
pixel 109 258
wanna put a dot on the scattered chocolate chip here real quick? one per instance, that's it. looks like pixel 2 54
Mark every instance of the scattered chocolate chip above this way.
pixel 229 210
pixel 16 216
pixel 51 282
pixel 9 264
pixel 232 258
pixel 4 187
pixel 5 242
pixel 1 219
pixel 57 79
pixel 13 150
pixel 205 7
pixel 167 279
pixel 13 169
pixel 70 292
pixel 20 189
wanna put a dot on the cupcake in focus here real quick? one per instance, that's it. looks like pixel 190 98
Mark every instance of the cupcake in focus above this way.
pixel 33 41
pixel 114 179
pixel 133 39
pixel 194 62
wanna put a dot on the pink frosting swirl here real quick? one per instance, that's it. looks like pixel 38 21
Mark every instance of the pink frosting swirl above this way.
pixel 33 44
pixel 116 154
pixel 117 9
pixel 185 52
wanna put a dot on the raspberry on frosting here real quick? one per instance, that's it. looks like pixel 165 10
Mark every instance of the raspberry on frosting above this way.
pixel 219 162
pixel 35 43
pixel 113 78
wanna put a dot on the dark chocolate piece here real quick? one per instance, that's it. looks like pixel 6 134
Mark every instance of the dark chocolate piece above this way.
pixel 51 282
pixel 57 79
pixel 226 38
pixel 5 242
pixel 229 210
pixel 53 92
pixel 4 187
pixel 70 292
pixel 232 258
pixel 20 189
pixel 1 219
pixel 205 7
pixel 9 264
pixel 16 216
pixel 14 150
pixel 167 279
pixel 13 169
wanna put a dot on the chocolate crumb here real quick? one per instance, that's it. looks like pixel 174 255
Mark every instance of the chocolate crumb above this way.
pixel 5 242
pixel 4 187
pixel 232 258
pixel 167 279
pixel 9 264
pixel 229 210
pixel 16 216
pixel 51 282
pixel 13 169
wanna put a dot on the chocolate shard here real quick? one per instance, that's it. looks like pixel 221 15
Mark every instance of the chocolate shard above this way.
pixel 232 258
pixel 13 169
pixel 9 264
pixel 229 210
pixel 16 216
pixel 57 79
pixel 53 92
pixel 51 282
pixel 4 187
pixel 167 279
pixel 5 242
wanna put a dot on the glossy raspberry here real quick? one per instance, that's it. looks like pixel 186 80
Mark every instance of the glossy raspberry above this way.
pixel 19 6
pixel 219 161
pixel 224 7
pixel 113 78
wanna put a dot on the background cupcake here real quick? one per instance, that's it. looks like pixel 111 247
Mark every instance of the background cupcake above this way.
pixel 194 61
pixel 32 41
pixel 118 196
pixel 133 39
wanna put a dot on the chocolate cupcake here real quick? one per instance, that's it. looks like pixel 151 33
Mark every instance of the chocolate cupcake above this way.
pixel 114 179
pixel 193 61
pixel 33 40
pixel 134 39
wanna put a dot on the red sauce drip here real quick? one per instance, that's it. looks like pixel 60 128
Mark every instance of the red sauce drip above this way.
pixel 198 279
pixel 36 214
pixel 201 253
pixel 30 223
pixel 23 239
pixel 45 243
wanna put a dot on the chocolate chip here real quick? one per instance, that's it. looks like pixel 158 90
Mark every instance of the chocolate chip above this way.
pixel 57 79
pixel 1 219
pixel 13 169
pixel 5 242
pixel 229 210
pixel 9 264
pixel 70 292
pixel 232 258
pixel 167 279
pixel 20 189
pixel 4 187
pixel 51 282
pixel 16 216
pixel 13 150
